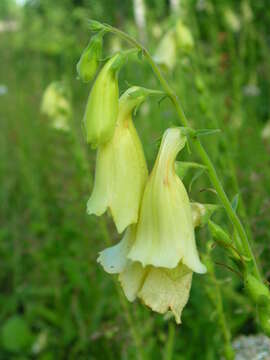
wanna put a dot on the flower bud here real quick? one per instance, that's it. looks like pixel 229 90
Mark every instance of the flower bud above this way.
pixel 121 170
pixel 219 234
pixel 165 232
pixel 89 60
pixel 260 295
pixel 102 106
pixel 201 213
pixel 258 292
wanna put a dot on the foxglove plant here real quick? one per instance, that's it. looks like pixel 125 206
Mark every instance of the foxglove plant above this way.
pixel 157 256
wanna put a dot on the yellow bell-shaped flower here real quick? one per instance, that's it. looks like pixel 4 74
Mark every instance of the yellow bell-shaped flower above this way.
pixel 102 105
pixel 121 170
pixel 165 54
pixel 165 231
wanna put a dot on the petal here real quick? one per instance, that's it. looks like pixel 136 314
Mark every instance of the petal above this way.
pixel 165 290
pixel 114 259
pixel 132 278
pixel 121 173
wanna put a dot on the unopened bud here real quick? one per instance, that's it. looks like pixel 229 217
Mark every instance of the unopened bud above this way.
pixel 89 60
pixel 201 213
pixel 102 106
pixel 219 234
pixel 258 291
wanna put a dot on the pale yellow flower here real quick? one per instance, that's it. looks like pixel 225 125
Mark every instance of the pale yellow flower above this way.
pixel 121 170
pixel 165 232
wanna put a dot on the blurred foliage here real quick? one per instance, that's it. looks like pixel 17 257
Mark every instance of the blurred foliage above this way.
pixel 56 302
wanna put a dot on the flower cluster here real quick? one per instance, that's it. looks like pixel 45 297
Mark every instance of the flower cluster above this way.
pixel 157 255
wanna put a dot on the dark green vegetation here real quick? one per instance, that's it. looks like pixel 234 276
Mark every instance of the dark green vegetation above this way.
pixel 55 300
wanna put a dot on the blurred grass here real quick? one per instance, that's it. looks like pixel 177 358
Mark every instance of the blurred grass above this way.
pixel 67 307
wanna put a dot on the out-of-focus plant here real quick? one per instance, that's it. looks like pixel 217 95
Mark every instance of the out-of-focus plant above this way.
pixel 56 105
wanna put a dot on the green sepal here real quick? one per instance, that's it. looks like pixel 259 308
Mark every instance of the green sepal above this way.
pixel 204 132
pixel 95 25
pixel 182 167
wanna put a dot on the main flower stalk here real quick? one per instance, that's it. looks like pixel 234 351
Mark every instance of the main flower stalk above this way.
pixel 198 146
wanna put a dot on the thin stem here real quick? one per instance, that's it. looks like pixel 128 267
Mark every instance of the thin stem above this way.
pixel 200 149
pixel 216 297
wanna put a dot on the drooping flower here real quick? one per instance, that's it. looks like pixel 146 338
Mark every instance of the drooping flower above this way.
pixel 165 54
pixel 56 105
pixel 165 232
pixel 102 105
pixel 121 170
pixel 88 64
pixel 157 256
pixel 184 36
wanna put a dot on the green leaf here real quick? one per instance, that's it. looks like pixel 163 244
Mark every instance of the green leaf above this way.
pixel 95 25
pixel 16 334
pixel 204 132
pixel 195 177
pixel 182 167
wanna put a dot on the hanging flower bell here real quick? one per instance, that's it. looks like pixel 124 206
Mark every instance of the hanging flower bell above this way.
pixel 121 170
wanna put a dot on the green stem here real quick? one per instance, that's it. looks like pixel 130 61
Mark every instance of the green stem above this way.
pixel 200 149
pixel 216 297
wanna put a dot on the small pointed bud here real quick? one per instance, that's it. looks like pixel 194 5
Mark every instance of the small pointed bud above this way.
pixel 201 213
pixel 257 291
pixel 219 234
pixel 89 60
pixel 260 295
pixel 121 170
pixel 165 232
pixel 102 105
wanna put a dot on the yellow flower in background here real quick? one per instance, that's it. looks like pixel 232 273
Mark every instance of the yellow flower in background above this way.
pixel 165 232
pixel 102 105
pixel 165 54
pixel 184 36
pixel 265 133
pixel 156 258
pixel 89 60
pixel 121 170
pixel 56 105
